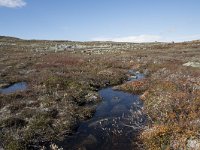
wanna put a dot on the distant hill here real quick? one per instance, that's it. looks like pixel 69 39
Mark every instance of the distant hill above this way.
pixel 8 38
pixel 13 39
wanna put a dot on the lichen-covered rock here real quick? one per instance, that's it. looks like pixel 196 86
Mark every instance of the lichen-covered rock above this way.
pixel 193 144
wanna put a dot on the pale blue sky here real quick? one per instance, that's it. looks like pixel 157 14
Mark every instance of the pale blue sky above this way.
pixel 117 20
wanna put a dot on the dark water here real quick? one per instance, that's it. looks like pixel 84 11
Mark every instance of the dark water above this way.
pixel 115 125
pixel 20 86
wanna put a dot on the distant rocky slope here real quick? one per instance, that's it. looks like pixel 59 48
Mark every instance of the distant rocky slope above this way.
pixel 89 47
pixel 8 38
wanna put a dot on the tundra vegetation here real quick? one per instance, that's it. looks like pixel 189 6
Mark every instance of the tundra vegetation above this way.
pixel 63 78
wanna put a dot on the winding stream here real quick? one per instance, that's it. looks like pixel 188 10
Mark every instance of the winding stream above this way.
pixel 115 125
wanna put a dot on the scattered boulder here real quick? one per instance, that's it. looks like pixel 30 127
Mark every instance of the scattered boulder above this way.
pixel 192 64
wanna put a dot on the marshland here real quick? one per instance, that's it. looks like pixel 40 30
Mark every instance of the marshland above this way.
pixel 90 95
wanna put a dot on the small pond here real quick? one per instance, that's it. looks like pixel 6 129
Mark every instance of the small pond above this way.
pixel 20 86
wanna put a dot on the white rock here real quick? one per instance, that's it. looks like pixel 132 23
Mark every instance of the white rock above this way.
pixel 192 64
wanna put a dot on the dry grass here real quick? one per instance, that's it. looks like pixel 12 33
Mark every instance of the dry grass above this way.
pixel 172 104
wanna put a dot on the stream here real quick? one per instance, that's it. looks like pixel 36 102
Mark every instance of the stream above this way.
pixel 115 125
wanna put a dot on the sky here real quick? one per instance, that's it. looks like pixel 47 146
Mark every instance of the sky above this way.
pixel 101 20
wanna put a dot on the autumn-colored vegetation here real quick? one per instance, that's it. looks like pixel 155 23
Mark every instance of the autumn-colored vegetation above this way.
pixel 62 86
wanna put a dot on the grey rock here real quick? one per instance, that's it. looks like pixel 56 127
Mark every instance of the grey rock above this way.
pixel 193 144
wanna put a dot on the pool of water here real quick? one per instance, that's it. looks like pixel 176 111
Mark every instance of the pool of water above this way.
pixel 20 86
pixel 134 75
pixel 115 125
